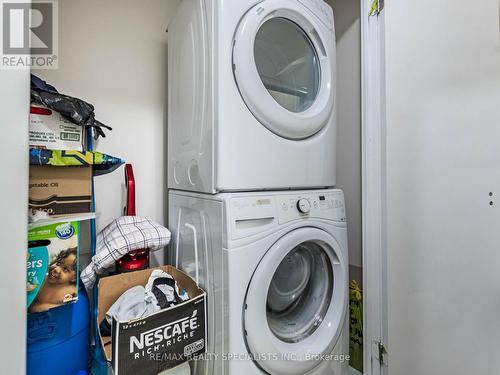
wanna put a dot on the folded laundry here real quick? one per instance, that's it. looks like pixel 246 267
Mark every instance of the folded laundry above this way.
pixel 121 236
pixel 160 292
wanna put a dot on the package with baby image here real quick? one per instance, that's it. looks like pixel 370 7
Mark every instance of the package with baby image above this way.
pixel 52 265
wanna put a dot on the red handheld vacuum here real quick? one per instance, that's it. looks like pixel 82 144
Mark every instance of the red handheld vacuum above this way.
pixel 138 259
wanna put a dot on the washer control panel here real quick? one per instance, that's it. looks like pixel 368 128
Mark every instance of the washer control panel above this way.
pixel 254 214
pixel 328 206
pixel 321 9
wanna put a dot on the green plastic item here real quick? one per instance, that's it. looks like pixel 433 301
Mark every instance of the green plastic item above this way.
pixel 374 8
pixel 356 326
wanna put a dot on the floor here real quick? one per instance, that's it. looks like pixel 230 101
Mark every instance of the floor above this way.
pixel 354 371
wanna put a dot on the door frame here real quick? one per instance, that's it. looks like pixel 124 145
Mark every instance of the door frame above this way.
pixel 15 98
pixel 374 189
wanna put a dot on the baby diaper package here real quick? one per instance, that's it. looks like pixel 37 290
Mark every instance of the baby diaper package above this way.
pixel 52 265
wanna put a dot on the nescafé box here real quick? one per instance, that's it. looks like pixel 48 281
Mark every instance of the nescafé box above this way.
pixel 159 341
pixel 52 265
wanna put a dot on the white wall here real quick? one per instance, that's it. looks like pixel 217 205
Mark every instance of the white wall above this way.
pixel 114 55
pixel 348 34
pixel 443 158
pixel 14 99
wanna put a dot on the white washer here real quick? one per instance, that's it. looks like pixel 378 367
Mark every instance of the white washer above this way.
pixel 275 267
pixel 251 95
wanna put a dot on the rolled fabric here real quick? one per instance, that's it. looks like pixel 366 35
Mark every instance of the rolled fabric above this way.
pixel 121 236
pixel 100 162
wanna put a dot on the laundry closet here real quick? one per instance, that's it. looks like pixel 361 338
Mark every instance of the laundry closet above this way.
pixel 349 153
pixel 115 56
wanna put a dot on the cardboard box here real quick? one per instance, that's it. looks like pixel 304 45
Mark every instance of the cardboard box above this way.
pixel 48 129
pixel 60 190
pixel 52 265
pixel 160 341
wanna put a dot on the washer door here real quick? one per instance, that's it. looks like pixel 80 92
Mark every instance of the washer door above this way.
pixel 283 62
pixel 296 302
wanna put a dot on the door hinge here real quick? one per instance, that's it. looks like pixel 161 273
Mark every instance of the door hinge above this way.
pixel 381 353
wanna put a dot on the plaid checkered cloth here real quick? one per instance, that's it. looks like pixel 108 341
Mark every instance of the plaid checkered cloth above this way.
pixel 123 235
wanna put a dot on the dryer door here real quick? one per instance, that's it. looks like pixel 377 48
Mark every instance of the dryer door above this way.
pixel 283 63
pixel 296 302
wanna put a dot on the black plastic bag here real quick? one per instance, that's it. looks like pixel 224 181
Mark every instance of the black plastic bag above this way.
pixel 74 109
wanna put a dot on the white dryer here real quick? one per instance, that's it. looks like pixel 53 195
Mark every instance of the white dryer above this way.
pixel 251 95
pixel 275 268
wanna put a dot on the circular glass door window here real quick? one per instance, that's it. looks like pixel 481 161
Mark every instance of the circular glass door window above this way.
pixel 300 293
pixel 287 64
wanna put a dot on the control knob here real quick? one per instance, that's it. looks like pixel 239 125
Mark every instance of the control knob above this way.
pixel 303 206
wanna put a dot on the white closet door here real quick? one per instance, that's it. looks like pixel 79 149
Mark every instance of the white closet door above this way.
pixel 14 104
pixel 443 160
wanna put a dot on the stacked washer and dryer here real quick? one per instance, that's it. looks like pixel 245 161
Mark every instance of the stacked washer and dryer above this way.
pixel 255 217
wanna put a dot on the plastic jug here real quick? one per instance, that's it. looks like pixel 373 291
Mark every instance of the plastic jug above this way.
pixel 58 339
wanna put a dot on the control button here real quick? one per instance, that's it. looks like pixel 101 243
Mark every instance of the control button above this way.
pixel 284 206
pixel 303 206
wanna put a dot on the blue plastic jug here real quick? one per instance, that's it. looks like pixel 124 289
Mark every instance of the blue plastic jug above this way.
pixel 58 339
